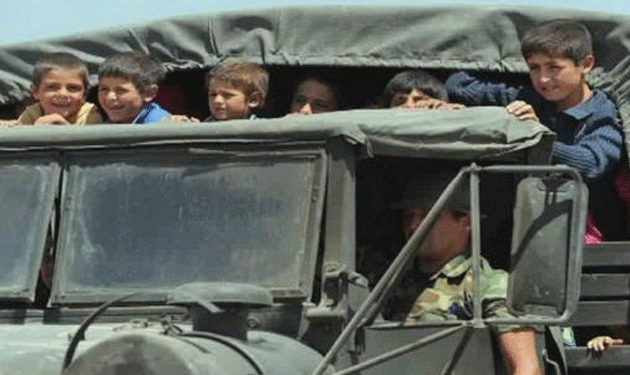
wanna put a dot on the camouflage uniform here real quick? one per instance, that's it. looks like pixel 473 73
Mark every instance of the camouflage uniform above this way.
pixel 451 294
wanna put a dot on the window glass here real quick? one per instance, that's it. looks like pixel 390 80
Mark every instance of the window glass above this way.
pixel 26 200
pixel 150 223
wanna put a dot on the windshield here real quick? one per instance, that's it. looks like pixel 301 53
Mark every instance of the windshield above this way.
pixel 152 220
pixel 27 191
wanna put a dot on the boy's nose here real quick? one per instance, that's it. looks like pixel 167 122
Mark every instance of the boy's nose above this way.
pixel 63 91
pixel 306 109
pixel 110 95
pixel 409 103
pixel 545 76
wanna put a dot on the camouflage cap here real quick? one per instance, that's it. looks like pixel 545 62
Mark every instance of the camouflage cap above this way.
pixel 424 189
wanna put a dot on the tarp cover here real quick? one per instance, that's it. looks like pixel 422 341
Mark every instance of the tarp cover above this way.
pixel 457 37
pixel 468 134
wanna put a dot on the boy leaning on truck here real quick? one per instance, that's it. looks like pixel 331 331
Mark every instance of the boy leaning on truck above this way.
pixel 416 89
pixel 236 90
pixel 127 85
pixel 589 136
pixel 59 88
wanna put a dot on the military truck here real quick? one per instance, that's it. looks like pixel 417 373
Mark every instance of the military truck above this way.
pixel 241 247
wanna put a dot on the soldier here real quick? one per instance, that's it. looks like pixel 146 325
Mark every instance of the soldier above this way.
pixel 445 267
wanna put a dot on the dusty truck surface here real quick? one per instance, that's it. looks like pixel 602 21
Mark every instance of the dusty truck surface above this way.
pixel 241 204
pixel 228 249
pixel 246 247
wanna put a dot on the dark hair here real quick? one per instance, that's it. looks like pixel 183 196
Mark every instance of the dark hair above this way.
pixel 138 67
pixel 245 76
pixel 564 38
pixel 328 79
pixel 405 82
pixel 60 61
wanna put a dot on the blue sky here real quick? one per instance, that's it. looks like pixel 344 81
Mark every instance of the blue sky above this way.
pixel 25 20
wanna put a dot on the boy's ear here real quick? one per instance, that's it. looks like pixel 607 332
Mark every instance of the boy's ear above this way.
pixel 588 63
pixel 150 93
pixel 34 92
pixel 254 101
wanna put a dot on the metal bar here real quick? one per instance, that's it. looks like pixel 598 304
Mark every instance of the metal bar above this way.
pixel 600 313
pixel 615 358
pixel 340 206
pixel 386 325
pixel 607 254
pixel 598 285
pixel 393 272
pixel 476 246
pixel 526 320
pixel 400 351
pixel 576 247
pixel 532 169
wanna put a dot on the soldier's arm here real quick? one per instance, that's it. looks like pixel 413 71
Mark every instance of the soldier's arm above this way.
pixel 519 351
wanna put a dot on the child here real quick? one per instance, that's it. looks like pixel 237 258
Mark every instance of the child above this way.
pixel 127 84
pixel 416 89
pixel 60 85
pixel 588 132
pixel 236 90
pixel 315 94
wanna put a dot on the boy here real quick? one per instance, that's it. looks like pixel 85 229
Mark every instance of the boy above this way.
pixel 127 84
pixel 60 85
pixel 315 94
pixel 416 89
pixel 588 133
pixel 236 90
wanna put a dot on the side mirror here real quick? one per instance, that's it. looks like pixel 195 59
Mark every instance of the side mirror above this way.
pixel 546 254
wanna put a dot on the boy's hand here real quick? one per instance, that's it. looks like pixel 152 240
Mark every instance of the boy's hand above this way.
pixel 438 104
pixel 600 343
pixel 8 123
pixel 431 103
pixel 522 110
pixel 52 119
pixel 181 118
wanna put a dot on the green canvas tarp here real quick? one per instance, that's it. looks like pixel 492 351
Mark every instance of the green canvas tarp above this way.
pixel 474 134
pixel 456 37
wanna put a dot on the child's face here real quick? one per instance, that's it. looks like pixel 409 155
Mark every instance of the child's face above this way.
pixel 120 99
pixel 559 80
pixel 228 103
pixel 62 92
pixel 313 97
pixel 412 99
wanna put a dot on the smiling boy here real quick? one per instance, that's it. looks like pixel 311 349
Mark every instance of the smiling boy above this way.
pixel 60 85
pixel 127 85
pixel 589 136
